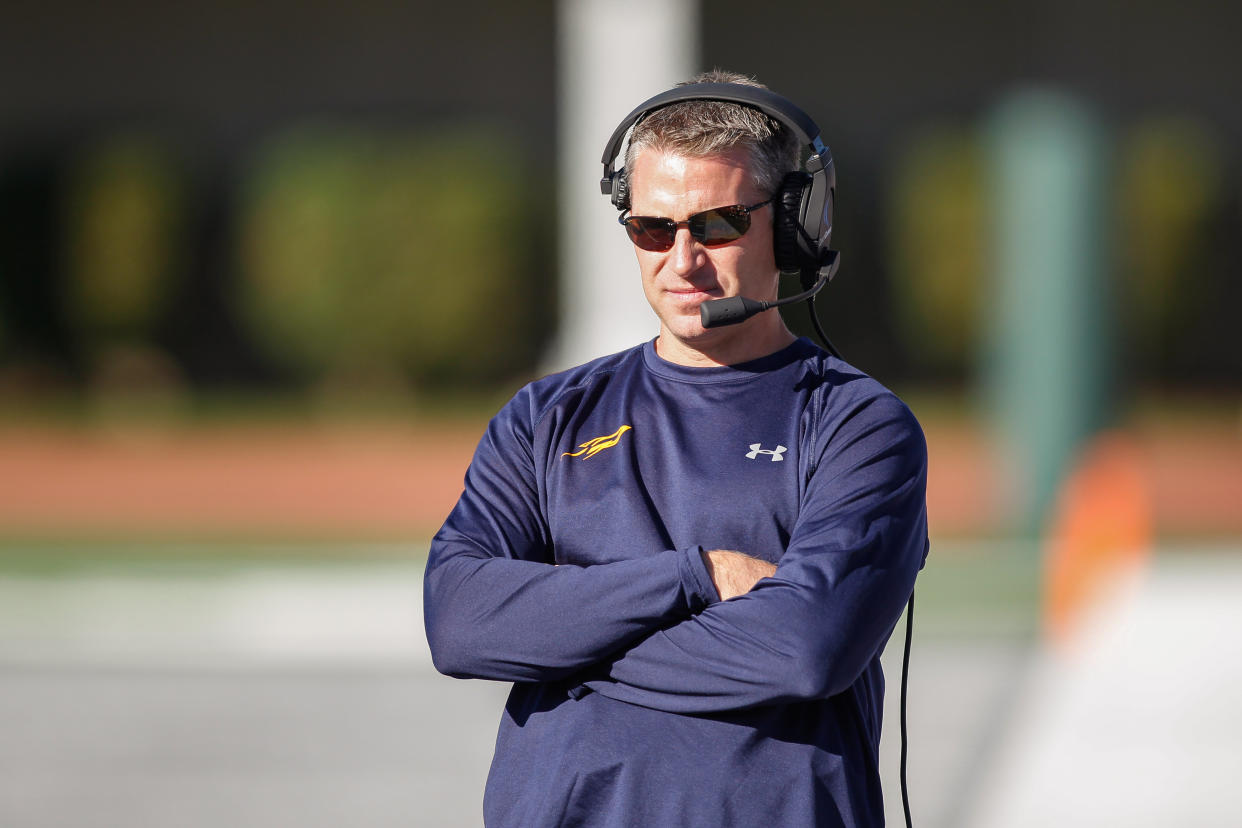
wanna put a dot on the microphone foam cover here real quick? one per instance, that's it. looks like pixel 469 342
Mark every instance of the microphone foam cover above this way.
pixel 716 313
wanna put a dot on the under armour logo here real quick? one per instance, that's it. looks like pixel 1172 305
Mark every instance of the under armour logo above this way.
pixel 757 449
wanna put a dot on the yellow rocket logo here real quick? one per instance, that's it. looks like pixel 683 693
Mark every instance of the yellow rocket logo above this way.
pixel 593 447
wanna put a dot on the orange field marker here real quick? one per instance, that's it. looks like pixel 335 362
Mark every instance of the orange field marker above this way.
pixel 1100 532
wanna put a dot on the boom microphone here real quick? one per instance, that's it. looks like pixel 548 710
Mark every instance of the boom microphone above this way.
pixel 716 313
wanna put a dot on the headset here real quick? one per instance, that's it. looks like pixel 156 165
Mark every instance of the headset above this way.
pixel 802 233
pixel 803 207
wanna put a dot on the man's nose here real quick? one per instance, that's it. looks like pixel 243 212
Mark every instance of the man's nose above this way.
pixel 686 255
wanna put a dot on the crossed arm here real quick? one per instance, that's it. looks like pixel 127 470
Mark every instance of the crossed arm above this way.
pixel 735 573
pixel 686 630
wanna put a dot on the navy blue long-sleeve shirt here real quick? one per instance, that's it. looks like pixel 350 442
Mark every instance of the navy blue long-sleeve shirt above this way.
pixel 639 697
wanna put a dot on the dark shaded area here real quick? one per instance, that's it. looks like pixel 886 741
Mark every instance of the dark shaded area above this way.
pixel 226 77
pixel 221 79
pixel 202 328
pixel 29 241
pixel 872 75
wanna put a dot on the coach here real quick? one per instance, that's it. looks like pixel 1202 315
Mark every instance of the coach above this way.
pixel 688 556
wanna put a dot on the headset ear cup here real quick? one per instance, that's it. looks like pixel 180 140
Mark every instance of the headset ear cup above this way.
pixel 785 235
pixel 621 191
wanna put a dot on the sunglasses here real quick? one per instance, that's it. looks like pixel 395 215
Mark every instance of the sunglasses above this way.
pixel 711 228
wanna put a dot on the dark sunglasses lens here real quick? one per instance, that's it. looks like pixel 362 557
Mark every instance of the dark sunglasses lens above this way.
pixel 711 228
pixel 720 226
pixel 651 233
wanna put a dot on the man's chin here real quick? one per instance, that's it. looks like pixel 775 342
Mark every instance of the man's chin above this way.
pixel 687 327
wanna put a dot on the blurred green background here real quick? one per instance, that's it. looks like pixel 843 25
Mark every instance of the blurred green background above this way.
pixel 216 198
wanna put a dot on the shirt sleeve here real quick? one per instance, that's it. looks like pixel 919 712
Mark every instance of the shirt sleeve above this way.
pixel 809 631
pixel 495 606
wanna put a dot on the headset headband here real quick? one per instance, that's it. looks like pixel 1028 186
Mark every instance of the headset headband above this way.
pixel 764 100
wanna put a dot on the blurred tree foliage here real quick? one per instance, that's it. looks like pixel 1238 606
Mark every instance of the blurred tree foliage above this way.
pixel 1170 194
pixel 407 256
pixel 126 210
pixel 937 242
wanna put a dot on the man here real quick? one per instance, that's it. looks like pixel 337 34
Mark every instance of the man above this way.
pixel 688 556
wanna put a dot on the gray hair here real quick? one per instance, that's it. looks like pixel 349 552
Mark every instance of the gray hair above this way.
pixel 698 129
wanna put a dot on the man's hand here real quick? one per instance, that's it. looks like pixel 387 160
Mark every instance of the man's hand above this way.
pixel 734 573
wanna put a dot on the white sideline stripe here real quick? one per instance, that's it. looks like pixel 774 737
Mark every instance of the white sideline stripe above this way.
pixel 1140 723
pixel 333 615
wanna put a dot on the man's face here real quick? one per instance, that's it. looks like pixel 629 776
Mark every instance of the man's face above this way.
pixel 678 280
